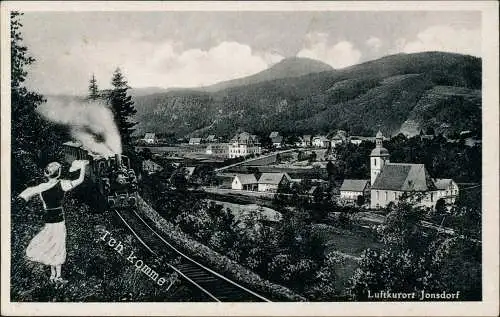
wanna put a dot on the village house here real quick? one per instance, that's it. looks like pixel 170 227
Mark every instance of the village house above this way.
pixel 211 138
pixel 336 140
pixel 150 138
pixel 150 167
pixel 244 144
pixel 274 134
pixel 189 171
pixel 355 140
pixel 195 141
pixel 306 141
pixel 351 189
pixel 269 182
pixel 447 189
pixel 391 181
pixel 244 182
pixel 320 141
pixel 277 141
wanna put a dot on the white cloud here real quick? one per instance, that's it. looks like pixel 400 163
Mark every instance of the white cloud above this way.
pixel 340 55
pixel 374 43
pixel 443 38
pixel 147 64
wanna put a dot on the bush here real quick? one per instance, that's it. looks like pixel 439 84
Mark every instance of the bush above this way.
pixel 216 261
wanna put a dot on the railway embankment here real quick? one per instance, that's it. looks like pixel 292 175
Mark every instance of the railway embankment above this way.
pixel 217 262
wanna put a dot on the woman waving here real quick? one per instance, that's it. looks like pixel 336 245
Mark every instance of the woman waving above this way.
pixel 49 245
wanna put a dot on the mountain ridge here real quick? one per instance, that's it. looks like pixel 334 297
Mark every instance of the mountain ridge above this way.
pixel 382 92
pixel 287 68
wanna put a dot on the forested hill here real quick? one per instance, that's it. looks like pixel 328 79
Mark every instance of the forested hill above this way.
pixel 403 92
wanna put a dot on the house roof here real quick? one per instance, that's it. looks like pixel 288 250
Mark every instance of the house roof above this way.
pixel 321 138
pixel 404 177
pixel 194 140
pixel 151 166
pixel 274 134
pixel 244 137
pixel 190 170
pixel 354 185
pixel 443 183
pixel 307 138
pixel 277 139
pixel 211 137
pixel 246 179
pixel 149 136
pixel 272 178
pixel 312 190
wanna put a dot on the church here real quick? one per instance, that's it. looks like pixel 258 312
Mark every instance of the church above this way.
pixel 389 181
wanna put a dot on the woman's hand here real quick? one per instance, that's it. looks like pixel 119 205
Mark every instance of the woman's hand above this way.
pixel 78 164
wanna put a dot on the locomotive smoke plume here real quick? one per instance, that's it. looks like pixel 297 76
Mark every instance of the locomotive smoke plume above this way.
pixel 91 123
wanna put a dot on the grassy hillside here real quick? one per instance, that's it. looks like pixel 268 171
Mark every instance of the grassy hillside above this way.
pixel 428 89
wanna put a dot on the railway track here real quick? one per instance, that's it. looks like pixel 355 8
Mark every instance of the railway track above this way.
pixel 212 284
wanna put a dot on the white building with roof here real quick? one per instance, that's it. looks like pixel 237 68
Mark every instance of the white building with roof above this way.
pixel 320 141
pixel 269 182
pixel 244 144
pixel 150 167
pixel 447 189
pixel 351 189
pixel 244 182
pixel 150 138
pixel 391 181
pixel 195 141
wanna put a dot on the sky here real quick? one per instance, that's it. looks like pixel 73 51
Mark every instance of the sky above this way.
pixel 192 49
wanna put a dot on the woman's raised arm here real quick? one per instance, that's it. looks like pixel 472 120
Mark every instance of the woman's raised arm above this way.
pixel 70 184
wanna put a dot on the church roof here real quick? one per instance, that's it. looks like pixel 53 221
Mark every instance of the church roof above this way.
pixel 404 177
pixel 379 135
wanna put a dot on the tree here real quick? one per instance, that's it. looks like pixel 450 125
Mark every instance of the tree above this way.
pixel 266 142
pixel 278 158
pixel 360 200
pixel 122 107
pixel 312 157
pixel 34 142
pixel 93 89
pixel 412 261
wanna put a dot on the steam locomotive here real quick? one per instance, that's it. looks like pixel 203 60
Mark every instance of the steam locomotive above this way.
pixel 113 181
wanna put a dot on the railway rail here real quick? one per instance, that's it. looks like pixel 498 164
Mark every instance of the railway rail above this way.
pixel 214 285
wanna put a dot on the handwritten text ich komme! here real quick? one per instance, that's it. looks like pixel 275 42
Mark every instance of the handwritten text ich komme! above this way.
pixel 132 258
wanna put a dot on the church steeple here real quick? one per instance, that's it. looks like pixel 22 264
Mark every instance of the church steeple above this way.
pixel 378 158
pixel 378 139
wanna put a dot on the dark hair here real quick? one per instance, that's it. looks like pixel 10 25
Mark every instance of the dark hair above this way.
pixel 52 169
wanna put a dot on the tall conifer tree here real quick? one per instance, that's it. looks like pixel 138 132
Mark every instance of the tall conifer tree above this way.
pixel 93 89
pixel 122 106
pixel 33 141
